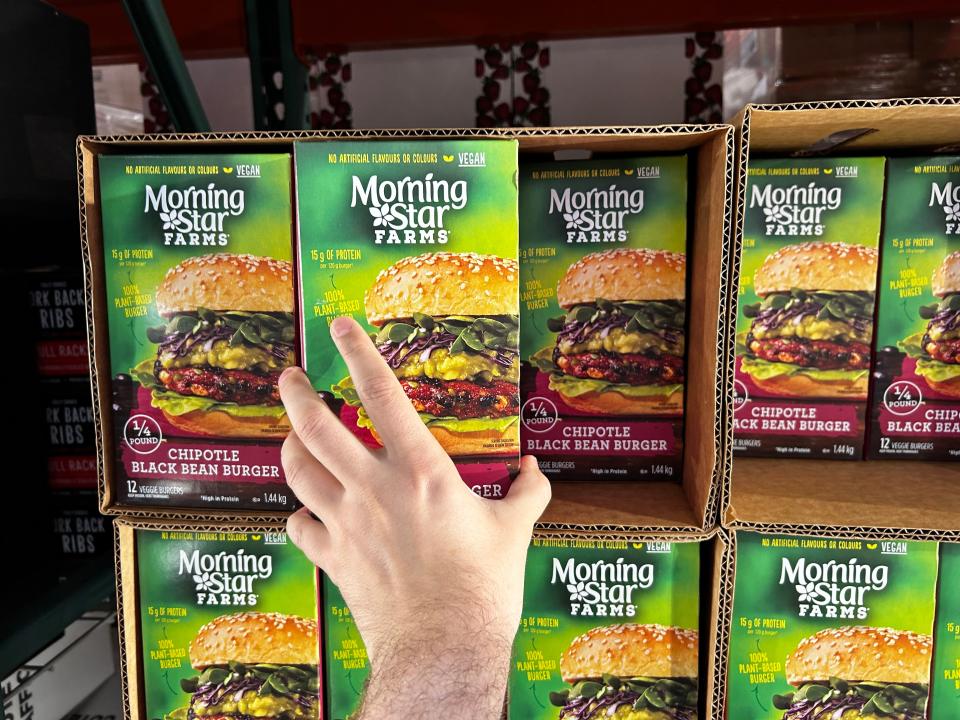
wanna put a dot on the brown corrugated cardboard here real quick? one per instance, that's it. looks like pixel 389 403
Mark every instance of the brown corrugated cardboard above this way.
pixel 889 498
pixel 689 507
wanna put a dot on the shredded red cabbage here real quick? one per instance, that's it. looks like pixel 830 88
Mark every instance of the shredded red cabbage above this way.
pixel 946 320
pixel 771 318
pixel 396 353
pixel 577 332
pixel 584 708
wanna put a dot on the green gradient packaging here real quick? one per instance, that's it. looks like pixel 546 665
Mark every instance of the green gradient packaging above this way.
pixel 189 579
pixel 345 662
pixel 602 302
pixel 811 230
pixel 417 240
pixel 615 591
pixel 198 279
pixel 878 595
pixel 915 410
pixel 945 689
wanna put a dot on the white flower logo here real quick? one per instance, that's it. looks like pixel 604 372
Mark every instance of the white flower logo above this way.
pixel 771 212
pixel 202 581
pixel 381 214
pixel 805 592
pixel 952 212
pixel 169 219
pixel 574 220
pixel 577 591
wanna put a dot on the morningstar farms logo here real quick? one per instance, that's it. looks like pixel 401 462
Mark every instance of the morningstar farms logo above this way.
pixel 595 215
pixel 409 211
pixel 833 589
pixel 602 589
pixel 226 578
pixel 947 197
pixel 194 215
pixel 796 211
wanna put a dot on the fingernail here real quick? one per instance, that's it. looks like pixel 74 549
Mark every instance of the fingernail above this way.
pixel 340 326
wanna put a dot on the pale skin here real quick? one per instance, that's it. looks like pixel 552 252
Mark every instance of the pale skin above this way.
pixel 432 573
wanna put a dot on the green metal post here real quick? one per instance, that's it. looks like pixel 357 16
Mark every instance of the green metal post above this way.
pixel 255 53
pixel 294 73
pixel 153 31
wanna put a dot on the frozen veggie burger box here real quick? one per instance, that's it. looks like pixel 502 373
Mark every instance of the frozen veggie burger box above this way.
pixel 945 690
pixel 345 662
pixel 200 301
pixel 806 306
pixel 831 628
pixel 228 626
pixel 609 630
pixel 603 289
pixel 417 240
pixel 915 409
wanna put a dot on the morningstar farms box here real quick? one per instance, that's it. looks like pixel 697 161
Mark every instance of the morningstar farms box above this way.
pixel 345 662
pixel 199 295
pixel 806 306
pixel 915 408
pixel 945 690
pixel 826 628
pixel 417 240
pixel 609 630
pixel 228 626
pixel 603 288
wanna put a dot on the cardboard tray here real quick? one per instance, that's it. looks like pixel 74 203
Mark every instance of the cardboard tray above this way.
pixel 894 498
pixel 716 583
pixel 623 506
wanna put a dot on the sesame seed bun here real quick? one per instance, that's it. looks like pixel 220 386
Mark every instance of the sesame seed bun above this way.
pixel 226 281
pixel 624 274
pixel 631 651
pixel 482 442
pixel 800 385
pixel 613 403
pixel 444 283
pixel 818 266
pixel 946 278
pixel 862 654
pixel 221 424
pixel 256 637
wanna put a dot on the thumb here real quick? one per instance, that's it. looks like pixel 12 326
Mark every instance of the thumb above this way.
pixel 530 491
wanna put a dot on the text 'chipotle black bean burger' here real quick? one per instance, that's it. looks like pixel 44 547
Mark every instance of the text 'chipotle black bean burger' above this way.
pixel 630 672
pixel 620 346
pixel 227 336
pixel 811 333
pixel 449 328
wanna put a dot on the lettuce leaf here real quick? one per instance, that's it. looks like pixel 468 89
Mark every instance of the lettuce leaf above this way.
pixel 543 360
pixel 574 387
pixel 452 423
pixel 937 371
pixel 764 370
pixel 347 390
pixel 912 345
pixel 143 374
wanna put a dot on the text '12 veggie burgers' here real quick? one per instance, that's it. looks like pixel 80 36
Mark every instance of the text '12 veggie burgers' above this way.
pixel 448 327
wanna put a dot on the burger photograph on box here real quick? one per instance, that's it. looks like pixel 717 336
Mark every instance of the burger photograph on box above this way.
pixel 228 626
pixel 199 292
pixel 603 307
pixel 831 628
pixel 609 630
pixel 915 411
pixel 805 317
pixel 417 240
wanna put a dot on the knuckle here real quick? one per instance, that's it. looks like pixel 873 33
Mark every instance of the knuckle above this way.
pixel 315 425
pixel 379 388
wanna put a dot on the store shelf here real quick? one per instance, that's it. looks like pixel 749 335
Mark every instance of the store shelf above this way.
pixel 27 629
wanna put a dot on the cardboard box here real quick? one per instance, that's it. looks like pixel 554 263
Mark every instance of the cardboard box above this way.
pixel 198 291
pixel 603 288
pixel 417 241
pixel 687 507
pixel 807 495
pixel 808 277
pixel 860 589
pixel 185 589
pixel 915 406
pixel 944 696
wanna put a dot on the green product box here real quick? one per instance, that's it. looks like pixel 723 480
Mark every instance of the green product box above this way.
pixel 228 625
pixel 808 276
pixel 603 309
pixel 345 662
pixel 826 627
pixel 199 294
pixel 915 411
pixel 945 689
pixel 417 240
pixel 609 630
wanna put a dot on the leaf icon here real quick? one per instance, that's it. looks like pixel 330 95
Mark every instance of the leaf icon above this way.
pixel 228 170
pixel 448 158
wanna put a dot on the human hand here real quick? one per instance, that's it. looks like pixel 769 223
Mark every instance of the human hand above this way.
pixel 432 573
